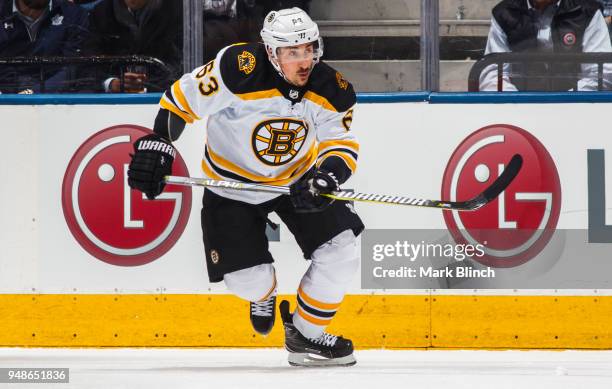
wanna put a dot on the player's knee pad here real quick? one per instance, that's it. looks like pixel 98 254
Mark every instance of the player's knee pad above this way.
pixel 252 284
pixel 337 260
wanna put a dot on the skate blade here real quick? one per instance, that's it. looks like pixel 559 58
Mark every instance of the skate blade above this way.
pixel 310 360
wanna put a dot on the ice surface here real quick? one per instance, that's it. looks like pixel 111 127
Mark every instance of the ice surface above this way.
pixel 268 368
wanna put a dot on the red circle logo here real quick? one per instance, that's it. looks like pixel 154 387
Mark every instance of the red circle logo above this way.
pixel 569 39
pixel 517 225
pixel 110 221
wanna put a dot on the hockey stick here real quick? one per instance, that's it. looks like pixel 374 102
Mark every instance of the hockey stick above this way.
pixel 498 186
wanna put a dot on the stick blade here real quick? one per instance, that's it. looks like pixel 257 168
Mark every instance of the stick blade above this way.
pixel 503 181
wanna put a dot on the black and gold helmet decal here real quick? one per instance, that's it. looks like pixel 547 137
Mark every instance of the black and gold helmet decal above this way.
pixel 277 141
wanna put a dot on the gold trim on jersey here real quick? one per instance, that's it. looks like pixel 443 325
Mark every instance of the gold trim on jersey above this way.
pixel 209 172
pixel 348 159
pixel 328 149
pixel 319 100
pixel 177 92
pixel 294 171
pixel 264 94
pixel 345 143
pixel 164 103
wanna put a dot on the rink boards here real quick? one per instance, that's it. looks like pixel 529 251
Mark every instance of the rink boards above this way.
pixel 85 264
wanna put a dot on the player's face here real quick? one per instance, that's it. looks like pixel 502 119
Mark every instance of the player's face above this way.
pixel 296 62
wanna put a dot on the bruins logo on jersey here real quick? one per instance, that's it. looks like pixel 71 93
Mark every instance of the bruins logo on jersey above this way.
pixel 342 83
pixel 246 62
pixel 276 141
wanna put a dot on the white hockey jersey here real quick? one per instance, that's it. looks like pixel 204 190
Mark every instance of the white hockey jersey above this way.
pixel 261 128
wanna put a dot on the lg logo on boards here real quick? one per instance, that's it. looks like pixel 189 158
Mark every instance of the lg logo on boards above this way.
pixel 110 221
pixel 519 224
pixel 121 227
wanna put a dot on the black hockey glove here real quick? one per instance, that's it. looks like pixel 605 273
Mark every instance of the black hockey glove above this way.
pixel 151 161
pixel 305 194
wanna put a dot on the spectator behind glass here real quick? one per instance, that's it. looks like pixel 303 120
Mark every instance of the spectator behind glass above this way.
pixel 607 12
pixel 138 27
pixel 565 26
pixel 231 21
pixel 39 28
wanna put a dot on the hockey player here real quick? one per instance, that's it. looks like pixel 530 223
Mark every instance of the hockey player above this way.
pixel 276 115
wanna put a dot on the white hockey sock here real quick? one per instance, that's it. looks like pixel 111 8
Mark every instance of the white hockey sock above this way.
pixel 322 288
pixel 255 283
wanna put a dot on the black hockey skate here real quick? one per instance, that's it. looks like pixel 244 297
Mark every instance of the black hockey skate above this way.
pixel 263 314
pixel 326 350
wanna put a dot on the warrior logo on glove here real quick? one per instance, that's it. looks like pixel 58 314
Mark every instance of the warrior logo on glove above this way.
pixel 144 144
pixel 151 162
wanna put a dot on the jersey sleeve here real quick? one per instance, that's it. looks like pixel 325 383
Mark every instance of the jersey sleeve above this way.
pixel 199 93
pixel 338 148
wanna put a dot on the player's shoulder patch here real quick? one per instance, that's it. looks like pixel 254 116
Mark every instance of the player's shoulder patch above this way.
pixel 246 62
pixel 331 85
pixel 244 66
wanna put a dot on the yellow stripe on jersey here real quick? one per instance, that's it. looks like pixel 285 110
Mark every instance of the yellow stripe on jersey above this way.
pixel 164 103
pixel 319 100
pixel 209 172
pixel 180 96
pixel 295 170
pixel 264 94
pixel 345 143
pixel 348 159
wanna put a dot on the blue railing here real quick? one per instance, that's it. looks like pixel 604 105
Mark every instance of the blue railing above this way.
pixel 364 98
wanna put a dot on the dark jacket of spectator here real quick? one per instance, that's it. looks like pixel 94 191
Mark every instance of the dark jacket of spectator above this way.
pixel 62 31
pixel 155 30
pixel 521 24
